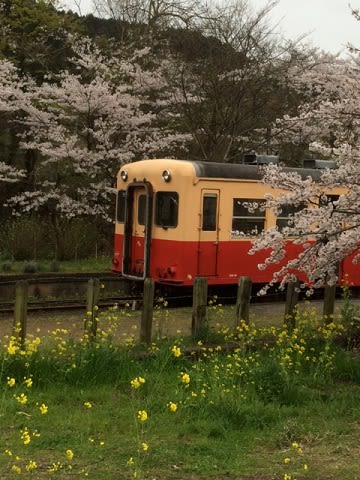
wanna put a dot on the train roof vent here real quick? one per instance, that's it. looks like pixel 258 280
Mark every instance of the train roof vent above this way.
pixel 253 159
pixel 319 164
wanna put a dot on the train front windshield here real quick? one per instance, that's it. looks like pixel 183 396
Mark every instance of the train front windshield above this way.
pixel 166 209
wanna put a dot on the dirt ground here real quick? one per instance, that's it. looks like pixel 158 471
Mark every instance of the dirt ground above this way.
pixel 167 322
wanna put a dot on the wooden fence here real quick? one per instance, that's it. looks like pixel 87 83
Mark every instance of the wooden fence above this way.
pixel 199 326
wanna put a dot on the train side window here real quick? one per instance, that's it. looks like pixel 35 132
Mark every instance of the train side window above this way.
pixel 166 209
pixel 120 206
pixel 284 218
pixel 248 216
pixel 141 209
pixel 209 211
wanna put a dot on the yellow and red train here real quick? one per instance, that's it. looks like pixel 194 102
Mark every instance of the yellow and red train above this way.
pixel 180 219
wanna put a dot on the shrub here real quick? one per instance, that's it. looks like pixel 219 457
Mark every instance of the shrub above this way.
pixel 7 266
pixel 31 267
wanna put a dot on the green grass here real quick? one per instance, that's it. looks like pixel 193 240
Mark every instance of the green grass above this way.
pixel 276 405
pixel 99 264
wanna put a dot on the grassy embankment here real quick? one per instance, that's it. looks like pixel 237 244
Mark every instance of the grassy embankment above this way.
pixel 254 403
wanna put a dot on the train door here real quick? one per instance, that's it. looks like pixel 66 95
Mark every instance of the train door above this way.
pixel 137 230
pixel 208 233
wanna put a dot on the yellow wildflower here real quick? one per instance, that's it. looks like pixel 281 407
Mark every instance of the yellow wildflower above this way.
pixel 137 382
pixel 16 469
pixel 142 415
pixel 31 465
pixel 176 351
pixel 69 454
pixel 185 378
pixel 145 447
pixel 25 436
pixel 22 398
pixel 28 382
pixel 12 348
pixel 172 407
pixel 43 409
pixel 11 382
pixel 55 467
pixel 87 404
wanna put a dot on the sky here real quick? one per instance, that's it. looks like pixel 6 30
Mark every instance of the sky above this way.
pixel 328 24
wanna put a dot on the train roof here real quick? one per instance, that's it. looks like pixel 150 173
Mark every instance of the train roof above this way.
pixel 242 171
pixel 228 171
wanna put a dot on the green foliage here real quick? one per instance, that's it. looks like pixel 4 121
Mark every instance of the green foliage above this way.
pixel 7 266
pixel 351 319
pixel 35 36
pixel 29 238
pixel 31 267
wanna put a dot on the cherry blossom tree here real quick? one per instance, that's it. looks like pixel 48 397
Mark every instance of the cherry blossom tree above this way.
pixel 11 96
pixel 326 206
pixel 83 126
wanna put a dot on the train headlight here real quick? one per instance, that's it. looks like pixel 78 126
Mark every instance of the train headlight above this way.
pixel 166 175
pixel 124 175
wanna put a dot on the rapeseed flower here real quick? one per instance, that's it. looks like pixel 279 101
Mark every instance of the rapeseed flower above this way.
pixel 12 348
pixel 11 382
pixel 145 446
pixel 16 469
pixel 30 466
pixel 172 407
pixel 142 415
pixel 55 467
pixel 69 454
pixel 25 436
pixel 137 382
pixel 87 405
pixel 32 346
pixel 185 378
pixel 43 409
pixel 176 351
pixel 28 382
pixel 22 398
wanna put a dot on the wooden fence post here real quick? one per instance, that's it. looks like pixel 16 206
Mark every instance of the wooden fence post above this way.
pixel 147 311
pixel 199 324
pixel 92 298
pixel 329 303
pixel 292 296
pixel 20 311
pixel 243 300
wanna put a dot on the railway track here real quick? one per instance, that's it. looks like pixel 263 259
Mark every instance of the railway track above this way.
pixel 55 305
pixel 134 302
pixel 64 291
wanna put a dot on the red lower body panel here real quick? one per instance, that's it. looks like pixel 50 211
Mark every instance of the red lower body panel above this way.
pixel 223 263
